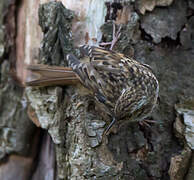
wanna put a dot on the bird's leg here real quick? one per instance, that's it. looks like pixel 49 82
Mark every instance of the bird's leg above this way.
pixel 116 36
pixel 110 125
pixel 146 122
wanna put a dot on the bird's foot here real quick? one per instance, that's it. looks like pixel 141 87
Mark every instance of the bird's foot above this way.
pixel 116 36
pixel 147 122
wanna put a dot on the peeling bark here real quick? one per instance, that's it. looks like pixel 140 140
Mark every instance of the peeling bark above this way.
pixel 161 38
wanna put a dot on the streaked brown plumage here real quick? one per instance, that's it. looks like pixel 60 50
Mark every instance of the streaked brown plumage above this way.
pixel 121 85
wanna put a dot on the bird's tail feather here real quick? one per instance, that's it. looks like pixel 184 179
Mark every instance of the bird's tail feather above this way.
pixel 44 75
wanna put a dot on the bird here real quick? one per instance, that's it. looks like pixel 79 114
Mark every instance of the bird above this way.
pixel 123 87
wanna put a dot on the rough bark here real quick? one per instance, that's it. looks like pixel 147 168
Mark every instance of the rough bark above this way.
pixel 17 132
pixel 159 36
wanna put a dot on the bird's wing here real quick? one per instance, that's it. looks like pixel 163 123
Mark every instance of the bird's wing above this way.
pixel 97 53
pixel 110 68
pixel 88 75
pixel 107 60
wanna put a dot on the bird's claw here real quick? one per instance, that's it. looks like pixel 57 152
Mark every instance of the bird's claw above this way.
pixel 116 36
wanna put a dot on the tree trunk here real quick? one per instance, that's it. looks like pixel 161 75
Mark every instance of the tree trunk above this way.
pixel 72 146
